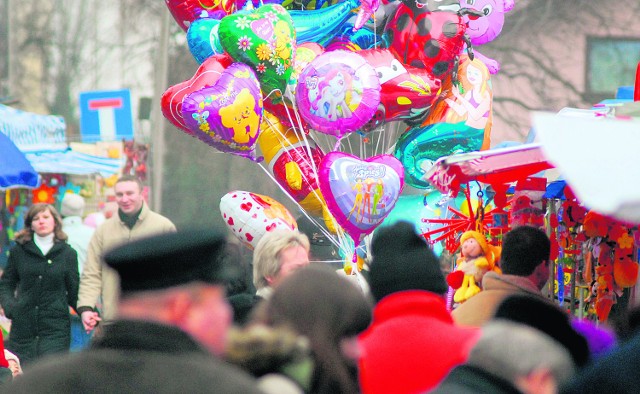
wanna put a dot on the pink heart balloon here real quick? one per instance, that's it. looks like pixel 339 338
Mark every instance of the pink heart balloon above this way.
pixel 207 75
pixel 360 193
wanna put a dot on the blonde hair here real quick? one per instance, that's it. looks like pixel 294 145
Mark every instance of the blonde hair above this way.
pixel 266 256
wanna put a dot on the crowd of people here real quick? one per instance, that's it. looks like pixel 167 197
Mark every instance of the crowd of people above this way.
pixel 138 306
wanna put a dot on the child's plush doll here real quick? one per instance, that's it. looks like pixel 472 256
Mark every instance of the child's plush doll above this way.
pixel 477 257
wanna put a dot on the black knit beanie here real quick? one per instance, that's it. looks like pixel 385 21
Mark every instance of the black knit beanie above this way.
pixel 402 260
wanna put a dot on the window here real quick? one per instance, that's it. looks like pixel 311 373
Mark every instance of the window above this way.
pixel 611 63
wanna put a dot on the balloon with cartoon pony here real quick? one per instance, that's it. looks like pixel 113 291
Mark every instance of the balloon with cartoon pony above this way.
pixel 338 92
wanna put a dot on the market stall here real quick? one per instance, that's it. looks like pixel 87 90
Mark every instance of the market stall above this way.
pixel 45 167
pixel 593 231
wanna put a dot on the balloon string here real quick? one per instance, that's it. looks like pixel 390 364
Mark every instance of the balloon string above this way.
pixel 300 134
pixel 283 139
pixel 375 31
pixel 340 243
pixel 381 141
pixel 337 145
pixel 306 161
pixel 304 212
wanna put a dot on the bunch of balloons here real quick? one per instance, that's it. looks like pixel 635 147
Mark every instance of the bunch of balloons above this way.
pixel 275 75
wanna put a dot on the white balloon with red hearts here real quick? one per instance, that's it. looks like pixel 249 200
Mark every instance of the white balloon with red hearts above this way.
pixel 249 216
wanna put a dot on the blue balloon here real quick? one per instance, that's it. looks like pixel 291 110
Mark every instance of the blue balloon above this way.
pixel 418 148
pixel 321 25
pixel 307 4
pixel 359 39
pixel 203 39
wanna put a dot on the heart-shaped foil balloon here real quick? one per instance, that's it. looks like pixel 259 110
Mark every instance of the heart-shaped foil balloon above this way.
pixel 206 75
pixel 227 115
pixel 186 11
pixel 360 193
pixel 264 39
pixel 203 39
pixel 250 216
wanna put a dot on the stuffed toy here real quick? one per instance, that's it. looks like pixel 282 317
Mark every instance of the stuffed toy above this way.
pixel 477 257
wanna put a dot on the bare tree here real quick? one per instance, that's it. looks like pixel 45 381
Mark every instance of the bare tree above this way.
pixel 66 46
pixel 542 49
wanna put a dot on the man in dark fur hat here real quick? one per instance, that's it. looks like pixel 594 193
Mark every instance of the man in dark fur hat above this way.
pixel 173 320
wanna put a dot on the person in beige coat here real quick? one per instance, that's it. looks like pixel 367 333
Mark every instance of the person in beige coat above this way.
pixel 525 270
pixel 134 220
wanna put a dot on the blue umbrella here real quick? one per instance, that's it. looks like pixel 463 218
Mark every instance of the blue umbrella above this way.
pixel 15 169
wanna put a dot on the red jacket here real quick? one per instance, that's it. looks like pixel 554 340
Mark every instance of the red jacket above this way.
pixel 412 344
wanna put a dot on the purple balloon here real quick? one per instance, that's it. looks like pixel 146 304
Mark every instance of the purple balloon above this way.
pixel 360 193
pixel 227 115
pixel 338 92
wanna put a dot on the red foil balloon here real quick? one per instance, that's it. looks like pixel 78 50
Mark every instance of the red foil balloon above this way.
pixel 406 93
pixel 425 39
pixel 186 11
pixel 207 75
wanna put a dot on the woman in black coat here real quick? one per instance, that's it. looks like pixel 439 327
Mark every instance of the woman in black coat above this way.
pixel 39 283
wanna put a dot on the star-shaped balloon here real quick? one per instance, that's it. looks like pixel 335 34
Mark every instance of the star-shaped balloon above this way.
pixel 44 194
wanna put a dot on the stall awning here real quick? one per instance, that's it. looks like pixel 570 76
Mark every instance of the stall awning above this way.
pixel 43 141
pixel 67 161
pixel 597 158
pixel 31 131
pixel 496 167
pixel 15 170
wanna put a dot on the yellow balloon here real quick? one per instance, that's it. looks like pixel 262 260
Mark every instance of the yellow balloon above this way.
pixel 293 162
pixel 475 204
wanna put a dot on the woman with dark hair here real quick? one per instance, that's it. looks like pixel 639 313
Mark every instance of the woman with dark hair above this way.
pixel 330 312
pixel 39 283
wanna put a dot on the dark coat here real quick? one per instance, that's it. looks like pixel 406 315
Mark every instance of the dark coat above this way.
pixel 617 372
pixel 36 292
pixel 136 357
pixel 466 379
